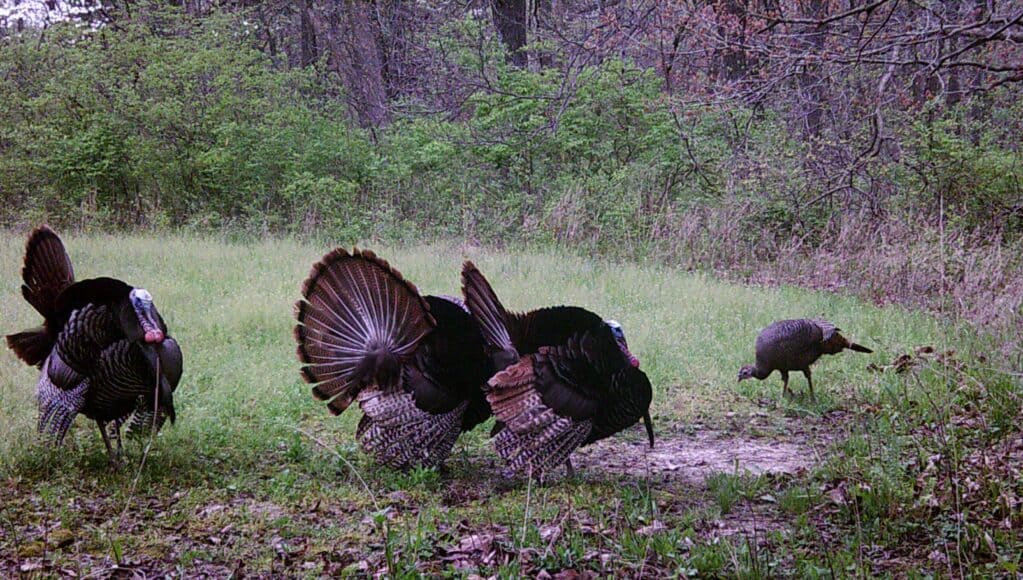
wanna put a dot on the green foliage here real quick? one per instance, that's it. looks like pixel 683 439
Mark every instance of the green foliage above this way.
pixel 960 166
pixel 169 121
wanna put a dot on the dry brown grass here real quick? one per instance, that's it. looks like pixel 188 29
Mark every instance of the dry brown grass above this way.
pixel 975 276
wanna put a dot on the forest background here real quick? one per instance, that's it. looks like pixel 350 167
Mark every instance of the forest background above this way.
pixel 867 147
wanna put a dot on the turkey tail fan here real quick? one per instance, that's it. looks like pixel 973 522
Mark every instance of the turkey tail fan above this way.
pixel 47 271
pixel 31 346
pixel 489 313
pixel 358 322
pixel 859 348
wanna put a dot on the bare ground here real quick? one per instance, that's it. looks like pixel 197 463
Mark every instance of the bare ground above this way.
pixel 691 458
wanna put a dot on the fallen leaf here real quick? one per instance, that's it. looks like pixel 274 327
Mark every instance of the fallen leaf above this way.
pixel 61 537
pixel 655 527
pixel 837 495
pixel 32 549
pixel 550 533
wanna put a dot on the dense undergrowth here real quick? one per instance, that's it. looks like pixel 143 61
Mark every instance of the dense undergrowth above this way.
pixel 166 123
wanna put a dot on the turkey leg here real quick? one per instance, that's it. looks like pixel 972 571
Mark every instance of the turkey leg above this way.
pixel 809 383
pixel 106 441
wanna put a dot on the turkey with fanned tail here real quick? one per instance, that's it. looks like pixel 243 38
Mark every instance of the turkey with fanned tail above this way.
pixel 415 365
pixel 103 349
pixel 566 379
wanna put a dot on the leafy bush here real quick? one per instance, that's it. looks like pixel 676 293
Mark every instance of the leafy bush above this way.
pixel 168 122
pixel 959 166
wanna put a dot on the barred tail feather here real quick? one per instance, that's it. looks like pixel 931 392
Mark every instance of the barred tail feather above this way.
pixel 541 452
pixel 31 346
pixel 144 422
pixel 401 435
pixel 358 321
pixel 47 270
pixel 534 439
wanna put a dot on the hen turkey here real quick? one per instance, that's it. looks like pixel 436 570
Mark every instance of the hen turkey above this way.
pixel 566 379
pixel 415 364
pixel 103 349
pixel 794 345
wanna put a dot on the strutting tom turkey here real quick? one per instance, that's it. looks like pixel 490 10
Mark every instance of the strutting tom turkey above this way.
pixel 566 379
pixel 415 364
pixel 794 345
pixel 103 349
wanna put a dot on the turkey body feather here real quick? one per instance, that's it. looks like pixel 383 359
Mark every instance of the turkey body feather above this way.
pixel 103 350
pixel 414 364
pixel 566 378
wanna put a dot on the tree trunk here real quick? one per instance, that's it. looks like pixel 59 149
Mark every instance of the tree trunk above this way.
pixel 811 81
pixel 308 52
pixel 347 33
pixel 544 27
pixel 510 21
pixel 395 20
pixel 367 71
pixel 732 28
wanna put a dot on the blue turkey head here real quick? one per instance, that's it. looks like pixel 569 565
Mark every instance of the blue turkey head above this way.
pixel 619 335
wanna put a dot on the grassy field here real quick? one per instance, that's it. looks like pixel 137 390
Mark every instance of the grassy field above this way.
pixel 257 478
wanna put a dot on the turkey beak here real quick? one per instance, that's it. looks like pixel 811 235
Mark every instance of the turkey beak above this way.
pixel 649 428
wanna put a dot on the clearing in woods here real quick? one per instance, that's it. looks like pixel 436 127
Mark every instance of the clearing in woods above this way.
pixel 256 477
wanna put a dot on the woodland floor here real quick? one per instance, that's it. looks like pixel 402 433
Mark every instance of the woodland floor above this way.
pixel 180 532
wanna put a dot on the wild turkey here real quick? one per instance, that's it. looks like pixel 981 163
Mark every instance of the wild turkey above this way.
pixel 794 345
pixel 415 365
pixel 103 349
pixel 566 379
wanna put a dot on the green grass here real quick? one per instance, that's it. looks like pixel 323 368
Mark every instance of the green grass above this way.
pixel 239 481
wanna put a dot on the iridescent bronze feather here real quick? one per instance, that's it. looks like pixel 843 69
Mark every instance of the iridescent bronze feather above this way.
pixel 103 350
pixel 414 364
pixel 567 378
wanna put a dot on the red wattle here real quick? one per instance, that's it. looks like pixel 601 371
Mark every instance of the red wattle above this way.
pixel 154 336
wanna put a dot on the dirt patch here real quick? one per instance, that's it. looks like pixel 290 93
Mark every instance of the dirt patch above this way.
pixel 692 458
pixel 746 520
